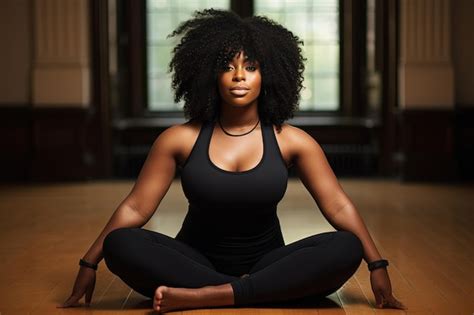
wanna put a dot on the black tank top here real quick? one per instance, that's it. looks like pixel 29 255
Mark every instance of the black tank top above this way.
pixel 232 217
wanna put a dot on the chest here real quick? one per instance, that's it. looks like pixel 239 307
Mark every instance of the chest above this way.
pixel 237 154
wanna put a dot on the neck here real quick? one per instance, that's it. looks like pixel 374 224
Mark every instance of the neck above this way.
pixel 238 117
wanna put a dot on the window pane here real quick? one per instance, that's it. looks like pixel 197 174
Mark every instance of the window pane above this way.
pixel 325 91
pixel 162 98
pixel 326 59
pixel 159 26
pixel 163 17
pixel 158 58
pixel 316 22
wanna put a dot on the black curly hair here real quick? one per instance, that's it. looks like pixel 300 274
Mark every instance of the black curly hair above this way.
pixel 211 39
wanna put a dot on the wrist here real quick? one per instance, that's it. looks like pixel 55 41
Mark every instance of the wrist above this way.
pixel 381 263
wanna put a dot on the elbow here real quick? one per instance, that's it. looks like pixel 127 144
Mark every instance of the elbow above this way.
pixel 341 217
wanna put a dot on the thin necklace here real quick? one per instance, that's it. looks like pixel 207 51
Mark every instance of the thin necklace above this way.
pixel 242 134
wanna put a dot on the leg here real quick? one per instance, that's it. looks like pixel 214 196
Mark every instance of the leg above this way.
pixel 316 265
pixel 145 260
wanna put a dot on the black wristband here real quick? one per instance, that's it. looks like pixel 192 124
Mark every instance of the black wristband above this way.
pixel 84 263
pixel 382 263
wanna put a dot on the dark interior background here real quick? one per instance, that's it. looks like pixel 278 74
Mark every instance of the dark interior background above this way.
pixel 111 135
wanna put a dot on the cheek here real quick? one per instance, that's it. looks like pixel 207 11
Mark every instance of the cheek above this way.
pixel 221 84
pixel 257 81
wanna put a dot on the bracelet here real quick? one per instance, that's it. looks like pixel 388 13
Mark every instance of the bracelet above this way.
pixel 84 263
pixel 382 263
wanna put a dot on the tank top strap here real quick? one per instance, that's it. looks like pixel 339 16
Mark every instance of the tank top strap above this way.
pixel 198 152
pixel 204 135
pixel 267 137
pixel 271 144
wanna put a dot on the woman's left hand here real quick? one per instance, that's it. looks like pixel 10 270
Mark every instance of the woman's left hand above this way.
pixel 383 290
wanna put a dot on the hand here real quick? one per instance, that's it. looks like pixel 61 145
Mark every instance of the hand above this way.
pixel 383 290
pixel 84 284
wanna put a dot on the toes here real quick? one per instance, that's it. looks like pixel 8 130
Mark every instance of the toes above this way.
pixel 158 294
pixel 161 291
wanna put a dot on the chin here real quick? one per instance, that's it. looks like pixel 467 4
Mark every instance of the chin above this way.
pixel 240 102
pixel 243 104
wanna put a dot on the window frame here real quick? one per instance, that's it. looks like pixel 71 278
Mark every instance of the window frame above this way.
pixel 132 59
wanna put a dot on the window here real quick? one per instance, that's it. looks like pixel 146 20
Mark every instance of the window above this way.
pixel 316 22
pixel 163 16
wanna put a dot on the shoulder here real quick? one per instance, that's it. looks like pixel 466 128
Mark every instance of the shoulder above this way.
pixel 178 139
pixel 176 133
pixel 294 137
pixel 294 142
pixel 188 128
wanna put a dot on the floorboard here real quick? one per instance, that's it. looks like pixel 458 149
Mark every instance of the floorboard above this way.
pixel 424 230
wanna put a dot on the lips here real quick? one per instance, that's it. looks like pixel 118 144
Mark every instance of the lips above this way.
pixel 239 90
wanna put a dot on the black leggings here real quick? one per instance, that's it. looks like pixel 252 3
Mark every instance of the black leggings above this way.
pixel 316 265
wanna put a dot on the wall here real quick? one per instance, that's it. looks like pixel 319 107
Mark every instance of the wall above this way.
pixel 15 47
pixel 48 120
pixel 436 98
pixel 463 51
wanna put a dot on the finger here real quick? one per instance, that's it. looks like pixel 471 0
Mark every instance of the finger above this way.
pixel 71 302
pixel 379 300
pixel 67 303
pixel 394 303
pixel 89 292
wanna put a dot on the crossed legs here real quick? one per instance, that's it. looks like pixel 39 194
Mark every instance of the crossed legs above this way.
pixel 178 277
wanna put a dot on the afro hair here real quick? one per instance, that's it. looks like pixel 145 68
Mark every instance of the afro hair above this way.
pixel 210 40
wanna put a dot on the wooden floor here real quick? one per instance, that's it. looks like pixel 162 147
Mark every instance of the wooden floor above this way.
pixel 425 231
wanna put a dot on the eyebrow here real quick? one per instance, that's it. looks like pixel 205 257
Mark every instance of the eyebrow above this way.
pixel 246 60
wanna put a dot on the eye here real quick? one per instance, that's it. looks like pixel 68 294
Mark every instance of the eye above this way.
pixel 227 68
pixel 251 68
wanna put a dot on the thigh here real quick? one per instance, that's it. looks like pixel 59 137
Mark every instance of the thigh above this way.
pixel 279 253
pixel 145 259
pixel 317 265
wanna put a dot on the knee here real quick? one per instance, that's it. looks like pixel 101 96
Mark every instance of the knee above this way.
pixel 351 246
pixel 114 241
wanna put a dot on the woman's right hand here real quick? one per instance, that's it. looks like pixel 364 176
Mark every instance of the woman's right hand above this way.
pixel 84 284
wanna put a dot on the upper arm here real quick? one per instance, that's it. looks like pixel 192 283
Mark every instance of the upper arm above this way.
pixel 156 175
pixel 316 173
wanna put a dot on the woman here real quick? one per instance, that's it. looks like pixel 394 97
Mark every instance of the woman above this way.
pixel 240 80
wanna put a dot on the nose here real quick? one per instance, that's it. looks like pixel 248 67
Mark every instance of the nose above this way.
pixel 239 74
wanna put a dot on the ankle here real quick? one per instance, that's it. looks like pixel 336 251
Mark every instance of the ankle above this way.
pixel 219 294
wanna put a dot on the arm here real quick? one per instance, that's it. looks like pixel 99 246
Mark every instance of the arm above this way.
pixel 318 177
pixel 150 187
pixel 152 184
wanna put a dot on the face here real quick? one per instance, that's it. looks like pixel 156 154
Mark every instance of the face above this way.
pixel 239 83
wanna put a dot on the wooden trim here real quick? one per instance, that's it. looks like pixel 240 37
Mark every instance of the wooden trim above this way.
pixel 349 143
pixel 464 141
pixel 346 59
pixel 48 143
pixel 320 121
pixel 353 58
pixel 59 144
pixel 388 19
pixel 137 56
pixel 98 136
pixel 359 59
pixel 427 149
pixel 244 8
pixel 15 141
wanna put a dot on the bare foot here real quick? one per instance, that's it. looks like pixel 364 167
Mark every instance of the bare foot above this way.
pixel 169 299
